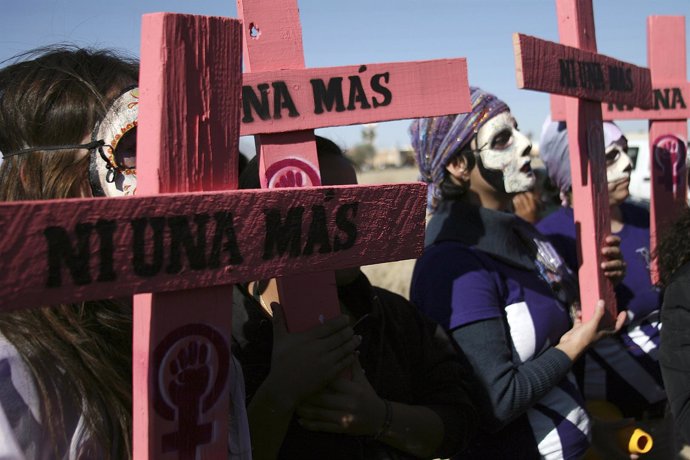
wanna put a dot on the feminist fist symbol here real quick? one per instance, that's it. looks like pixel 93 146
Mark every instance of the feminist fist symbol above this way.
pixel 292 172
pixel 669 150
pixel 290 179
pixel 191 372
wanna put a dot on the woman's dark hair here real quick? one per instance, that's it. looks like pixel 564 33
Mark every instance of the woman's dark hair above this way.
pixel 77 354
pixel 54 96
pixel 673 250
pixel 451 190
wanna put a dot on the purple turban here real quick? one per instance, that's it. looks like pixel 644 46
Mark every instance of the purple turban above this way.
pixel 437 140
pixel 554 151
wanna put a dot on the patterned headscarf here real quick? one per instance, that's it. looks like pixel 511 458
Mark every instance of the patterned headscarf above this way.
pixel 614 135
pixel 554 151
pixel 437 140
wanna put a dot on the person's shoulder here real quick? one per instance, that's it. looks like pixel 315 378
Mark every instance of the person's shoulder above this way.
pixel 449 255
pixel 556 222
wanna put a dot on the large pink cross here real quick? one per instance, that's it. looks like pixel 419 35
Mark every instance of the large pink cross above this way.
pixel 283 102
pixel 668 122
pixel 187 237
pixel 575 69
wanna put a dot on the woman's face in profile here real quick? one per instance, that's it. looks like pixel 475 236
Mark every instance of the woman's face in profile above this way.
pixel 504 149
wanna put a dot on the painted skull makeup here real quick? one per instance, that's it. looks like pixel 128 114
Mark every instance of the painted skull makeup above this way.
pixel 618 163
pixel 112 168
pixel 504 160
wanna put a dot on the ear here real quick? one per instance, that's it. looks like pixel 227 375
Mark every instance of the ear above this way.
pixel 459 169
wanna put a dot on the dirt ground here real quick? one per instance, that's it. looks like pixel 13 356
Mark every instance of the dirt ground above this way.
pixel 394 276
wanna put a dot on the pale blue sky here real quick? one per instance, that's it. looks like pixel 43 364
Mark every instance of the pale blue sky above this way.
pixel 364 31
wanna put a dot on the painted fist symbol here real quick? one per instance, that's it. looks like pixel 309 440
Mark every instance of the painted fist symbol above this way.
pixel 290 179
pixel 190 372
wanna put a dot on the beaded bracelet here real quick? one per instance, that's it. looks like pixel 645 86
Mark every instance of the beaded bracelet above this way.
pixel 386 421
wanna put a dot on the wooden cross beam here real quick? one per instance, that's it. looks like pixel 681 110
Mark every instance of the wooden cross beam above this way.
pixel 170 245
pixel 76 250
pixel 575 69
pixel 668 122
pixel 283 102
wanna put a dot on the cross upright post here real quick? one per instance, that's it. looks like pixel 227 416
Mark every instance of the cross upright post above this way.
pixel 273 40
pixel 576 70
pixel 179 245
pixel 668 139
pixel 307 99
pixel 668 126
pixel 189 236
pixel 187 141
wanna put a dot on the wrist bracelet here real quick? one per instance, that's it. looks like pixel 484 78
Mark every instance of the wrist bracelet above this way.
pixel 388 419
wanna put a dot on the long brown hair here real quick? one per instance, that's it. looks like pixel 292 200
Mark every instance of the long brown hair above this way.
pixel 80 353
pixel 673 250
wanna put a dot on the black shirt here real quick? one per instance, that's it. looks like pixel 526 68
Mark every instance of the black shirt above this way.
pixel 406 357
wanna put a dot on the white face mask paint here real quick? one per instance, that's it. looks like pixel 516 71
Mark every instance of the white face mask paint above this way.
pixel 618 164
pixel 505 150
pixel 112 169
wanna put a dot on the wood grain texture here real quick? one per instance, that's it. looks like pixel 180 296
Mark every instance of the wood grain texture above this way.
pixel 189 419
pixel 188 138
pixel 382 211
pixel 667 58
pixel 277 39
pixel 576 24
pixel 339 96
pixel 285 154
pixel 671 102
pixel 282 104
pixel 192 147
pixel 666 48
pixel 550 67
pixel 591 206
pixel 587 162
pixel 274 42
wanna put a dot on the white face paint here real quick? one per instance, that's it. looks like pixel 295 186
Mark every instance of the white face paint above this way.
pixel 618 164
pixel 503 148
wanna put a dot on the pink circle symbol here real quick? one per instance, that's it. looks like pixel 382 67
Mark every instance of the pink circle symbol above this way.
pixel 292 172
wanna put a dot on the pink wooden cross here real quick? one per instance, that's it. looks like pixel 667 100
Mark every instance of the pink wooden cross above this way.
pixel 181 252
pixel 578 71
pixel 668 125
pixel 283 102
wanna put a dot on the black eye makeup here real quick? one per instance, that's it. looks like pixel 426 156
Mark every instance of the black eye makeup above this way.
pixel 612 157
pixel 502 139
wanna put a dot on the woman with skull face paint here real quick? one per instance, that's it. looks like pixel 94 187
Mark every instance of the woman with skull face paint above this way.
pixel 499 287
pixel 622 369
pixel 65 371
pixel 68 120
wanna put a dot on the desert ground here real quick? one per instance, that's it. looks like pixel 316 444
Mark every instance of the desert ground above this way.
pixel 394 276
